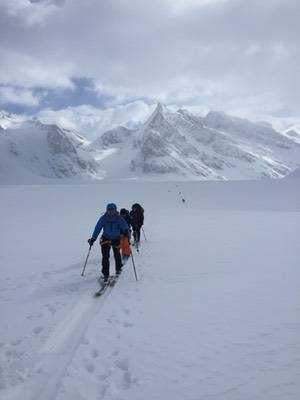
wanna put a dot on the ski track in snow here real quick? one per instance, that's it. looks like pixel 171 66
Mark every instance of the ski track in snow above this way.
pixel 56 354
pixel 214 315
pixel 47 368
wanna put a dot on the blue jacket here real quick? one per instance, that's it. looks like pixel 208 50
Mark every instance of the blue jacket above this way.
pixel 111 224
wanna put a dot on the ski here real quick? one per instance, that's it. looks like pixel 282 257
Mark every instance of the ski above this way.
pixel 104 286
pixel 114 279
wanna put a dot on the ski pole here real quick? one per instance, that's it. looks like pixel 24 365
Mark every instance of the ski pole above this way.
pixel 86 260
pixel 133 264
pixel 144 234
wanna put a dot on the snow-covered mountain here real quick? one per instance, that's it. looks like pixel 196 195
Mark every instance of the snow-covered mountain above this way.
pixel 9 120
pixel 115 136
pixel 180 144
pixel 293 134
pixel 169 145
pixel 33 152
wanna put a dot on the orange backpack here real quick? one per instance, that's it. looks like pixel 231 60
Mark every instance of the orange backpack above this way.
pixel 125 246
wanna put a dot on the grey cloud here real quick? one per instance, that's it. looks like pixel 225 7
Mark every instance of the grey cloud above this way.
pixel 55 2
pixel 222 54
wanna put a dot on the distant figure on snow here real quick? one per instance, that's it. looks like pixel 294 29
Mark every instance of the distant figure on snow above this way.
pixel 113 225
pixel 137 221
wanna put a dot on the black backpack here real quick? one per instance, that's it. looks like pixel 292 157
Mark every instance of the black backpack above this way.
pixel 137 214
pixel 138 207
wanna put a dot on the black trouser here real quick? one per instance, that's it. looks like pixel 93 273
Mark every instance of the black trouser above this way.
pixel 105 249
pixel 137 232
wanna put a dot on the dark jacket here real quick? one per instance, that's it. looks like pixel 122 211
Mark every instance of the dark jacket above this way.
pixel 137 215
pixel 125 214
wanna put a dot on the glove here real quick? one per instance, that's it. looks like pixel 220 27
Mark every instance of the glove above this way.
pixel 91 241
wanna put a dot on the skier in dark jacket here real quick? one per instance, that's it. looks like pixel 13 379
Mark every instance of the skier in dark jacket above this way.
pixel 125 239
pixel 137 221
pixel 125 214
pixel 112 224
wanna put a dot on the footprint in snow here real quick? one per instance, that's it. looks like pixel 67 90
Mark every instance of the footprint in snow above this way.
pixel 128 325
pixel 106 375
pixel 85 340
pixel 14 354
pixel 95 353
pixel 116 352
pixel 16 342
pixel 30 316
pixel 127 380
pixel 90 368
pixel 52 309
pixel 123 365
pixel 38 329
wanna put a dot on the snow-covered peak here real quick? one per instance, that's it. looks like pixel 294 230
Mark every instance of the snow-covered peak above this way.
pixel 9 120
pixel 218 118
pixel 221 121
pixel 218 146
pixel 157 117
pixel 169 145
pixel 293 134
pixel 32 152
pixel 185 112
pixel 159 108
pixel 293 128
pixel 244 130
pixel 112 137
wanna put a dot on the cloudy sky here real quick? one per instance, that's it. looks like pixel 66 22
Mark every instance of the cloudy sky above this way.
pixel 105 62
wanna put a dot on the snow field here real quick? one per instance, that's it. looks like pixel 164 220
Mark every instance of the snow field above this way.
pixel 215 313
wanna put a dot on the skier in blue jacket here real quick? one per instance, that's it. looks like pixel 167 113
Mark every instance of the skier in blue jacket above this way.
pixel 112 224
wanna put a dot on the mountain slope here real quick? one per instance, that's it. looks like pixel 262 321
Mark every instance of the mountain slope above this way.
pixel 32 152
pixel 169 145
pixel 178 144
pixel 294 174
